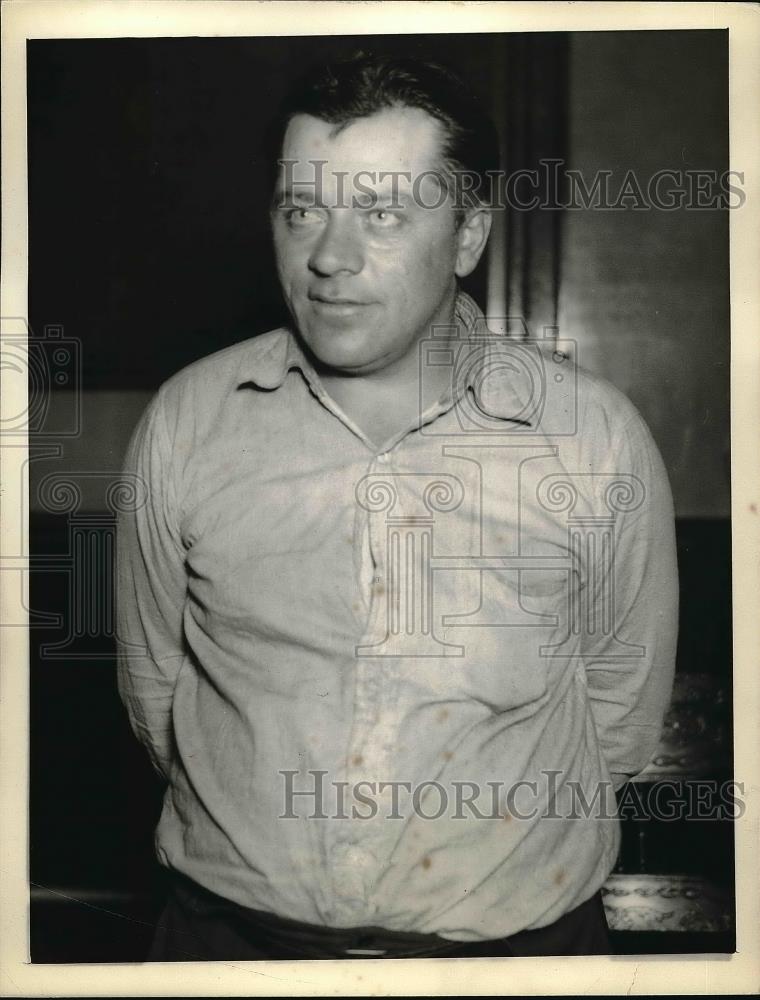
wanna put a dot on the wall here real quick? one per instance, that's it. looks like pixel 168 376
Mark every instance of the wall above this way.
pixel 645 293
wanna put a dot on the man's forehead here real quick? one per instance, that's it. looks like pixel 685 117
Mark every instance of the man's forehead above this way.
pixel 393 139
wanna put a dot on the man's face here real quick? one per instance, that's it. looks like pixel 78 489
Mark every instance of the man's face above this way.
pixel 367 263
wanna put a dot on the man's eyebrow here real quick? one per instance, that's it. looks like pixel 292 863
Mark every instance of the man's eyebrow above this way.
pixel 394 197
pixel 302 194
pixel 305 194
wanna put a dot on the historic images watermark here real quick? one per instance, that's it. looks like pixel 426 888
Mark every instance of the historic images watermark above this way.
pixel 49 366
pixel 308 794
pixel 550 186
pixel 513 400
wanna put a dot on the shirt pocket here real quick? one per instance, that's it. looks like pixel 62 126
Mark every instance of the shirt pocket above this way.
pixel 514 620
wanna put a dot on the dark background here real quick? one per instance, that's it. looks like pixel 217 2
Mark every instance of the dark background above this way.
pixel 149 248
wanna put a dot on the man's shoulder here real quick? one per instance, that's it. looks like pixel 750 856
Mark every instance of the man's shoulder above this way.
pixel 583 410
pixel 601 401
pixel 611 428
pixel 545 387
pixel 214 376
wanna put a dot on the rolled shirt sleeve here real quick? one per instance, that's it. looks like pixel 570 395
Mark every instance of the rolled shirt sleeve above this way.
pixel 151 591
pixel 630 673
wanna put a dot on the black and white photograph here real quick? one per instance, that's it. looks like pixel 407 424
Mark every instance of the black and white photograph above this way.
pixel 373 508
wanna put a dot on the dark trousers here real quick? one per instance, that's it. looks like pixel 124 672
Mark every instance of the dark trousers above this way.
pixel 196 925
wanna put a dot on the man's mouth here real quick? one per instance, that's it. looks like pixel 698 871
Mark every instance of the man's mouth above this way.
pixel 335 305
pixel 336 300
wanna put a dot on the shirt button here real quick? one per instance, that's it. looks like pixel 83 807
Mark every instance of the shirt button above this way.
pixel 383 458
pixel 354 856
pixel 350 854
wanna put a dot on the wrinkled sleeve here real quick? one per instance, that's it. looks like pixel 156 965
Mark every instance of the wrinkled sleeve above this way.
pixel 630 672
pixel 151 586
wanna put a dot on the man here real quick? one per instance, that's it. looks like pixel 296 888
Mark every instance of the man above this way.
pixel 398 615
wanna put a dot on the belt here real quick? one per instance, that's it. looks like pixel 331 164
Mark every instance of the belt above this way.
pixel 284 936
pixel 222 927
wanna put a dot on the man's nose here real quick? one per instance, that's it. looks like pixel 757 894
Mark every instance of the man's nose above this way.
pixel 339 248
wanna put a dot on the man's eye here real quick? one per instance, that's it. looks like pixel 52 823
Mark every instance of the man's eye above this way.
pixel 381 218
pixel 303 217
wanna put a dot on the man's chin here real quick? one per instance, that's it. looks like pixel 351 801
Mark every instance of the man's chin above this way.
pixel 348 354
pixel 342 363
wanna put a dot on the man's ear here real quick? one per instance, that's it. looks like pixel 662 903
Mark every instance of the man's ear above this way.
pixel 472 237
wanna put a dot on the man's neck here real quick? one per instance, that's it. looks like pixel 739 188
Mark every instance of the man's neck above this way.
pixel 385 402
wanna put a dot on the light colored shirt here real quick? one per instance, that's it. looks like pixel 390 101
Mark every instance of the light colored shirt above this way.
pixel 382 682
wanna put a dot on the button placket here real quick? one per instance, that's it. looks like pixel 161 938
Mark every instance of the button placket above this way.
pixel 370 673
pixel 371 742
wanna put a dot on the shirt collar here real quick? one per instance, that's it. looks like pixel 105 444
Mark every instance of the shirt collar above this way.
pixel 274 354
pixel 498 373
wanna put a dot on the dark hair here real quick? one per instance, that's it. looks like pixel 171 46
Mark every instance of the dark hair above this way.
pixel 341 91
